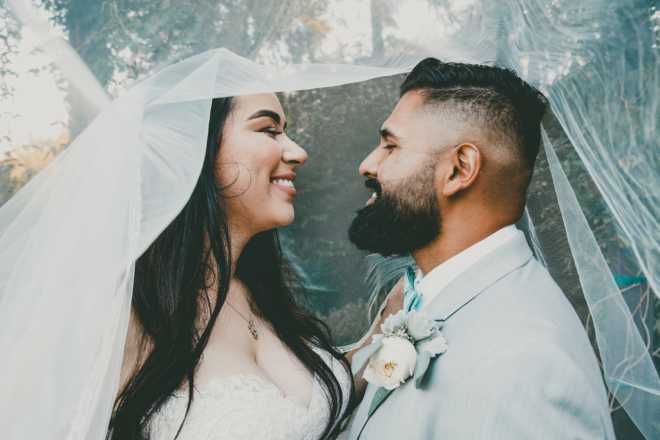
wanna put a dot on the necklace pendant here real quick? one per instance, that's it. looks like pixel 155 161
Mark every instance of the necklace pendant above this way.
pixel 252 326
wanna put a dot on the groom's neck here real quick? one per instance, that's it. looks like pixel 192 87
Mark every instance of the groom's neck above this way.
pixel 455 237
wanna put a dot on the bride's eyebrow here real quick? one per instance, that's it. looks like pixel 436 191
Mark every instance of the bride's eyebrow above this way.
pixel 267 114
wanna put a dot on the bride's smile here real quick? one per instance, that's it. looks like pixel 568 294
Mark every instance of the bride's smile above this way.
pixel 284 182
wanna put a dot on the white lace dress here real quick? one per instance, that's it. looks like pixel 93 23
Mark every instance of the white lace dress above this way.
pixel 246 407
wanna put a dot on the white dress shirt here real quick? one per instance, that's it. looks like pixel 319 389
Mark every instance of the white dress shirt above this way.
pixel 440 276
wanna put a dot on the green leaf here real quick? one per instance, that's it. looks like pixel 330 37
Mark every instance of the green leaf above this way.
pixel 380 395
pixel 423 361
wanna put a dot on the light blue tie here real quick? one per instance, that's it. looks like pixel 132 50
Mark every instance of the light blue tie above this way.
pixel 412 299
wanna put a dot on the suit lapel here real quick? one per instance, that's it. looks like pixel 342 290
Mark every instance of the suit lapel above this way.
pixel 378 399
pixel 465 288
pixel 484 273
pixel 376 402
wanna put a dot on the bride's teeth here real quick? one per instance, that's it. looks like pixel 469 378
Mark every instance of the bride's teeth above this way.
pixel 284 182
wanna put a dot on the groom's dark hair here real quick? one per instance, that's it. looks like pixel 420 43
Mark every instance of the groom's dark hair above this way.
pixel 494 98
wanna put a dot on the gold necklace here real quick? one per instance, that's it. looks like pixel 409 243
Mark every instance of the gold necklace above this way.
pixel 252 325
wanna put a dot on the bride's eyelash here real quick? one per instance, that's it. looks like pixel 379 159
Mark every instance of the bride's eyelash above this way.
pixel 271 131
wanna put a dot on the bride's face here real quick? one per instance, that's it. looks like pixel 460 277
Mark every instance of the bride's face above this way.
pixel 257 164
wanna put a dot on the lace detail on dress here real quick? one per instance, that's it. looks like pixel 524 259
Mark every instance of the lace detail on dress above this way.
pixel 246 407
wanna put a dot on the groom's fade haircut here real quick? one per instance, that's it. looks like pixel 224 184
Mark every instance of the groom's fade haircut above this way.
pixel 491 98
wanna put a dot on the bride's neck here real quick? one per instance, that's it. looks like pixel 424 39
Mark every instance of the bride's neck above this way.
pixel 239 238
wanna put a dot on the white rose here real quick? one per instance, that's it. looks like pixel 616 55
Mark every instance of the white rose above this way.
pixel 392 364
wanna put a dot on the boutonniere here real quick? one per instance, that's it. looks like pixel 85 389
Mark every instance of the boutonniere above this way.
pixel 408 342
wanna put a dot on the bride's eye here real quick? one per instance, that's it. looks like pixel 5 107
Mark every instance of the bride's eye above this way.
pixel 271 131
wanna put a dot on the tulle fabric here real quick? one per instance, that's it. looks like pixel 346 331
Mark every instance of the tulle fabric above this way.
pixel 70 237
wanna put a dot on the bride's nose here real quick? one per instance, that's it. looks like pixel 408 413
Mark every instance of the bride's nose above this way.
pixel 293 153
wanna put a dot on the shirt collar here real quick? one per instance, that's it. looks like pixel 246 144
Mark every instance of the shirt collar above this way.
pixel 440 276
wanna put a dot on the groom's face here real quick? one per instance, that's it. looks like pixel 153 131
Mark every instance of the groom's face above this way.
pixel 402 214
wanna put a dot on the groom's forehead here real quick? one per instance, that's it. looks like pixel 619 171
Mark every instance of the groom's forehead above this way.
pixel 413 116
pixel 410 103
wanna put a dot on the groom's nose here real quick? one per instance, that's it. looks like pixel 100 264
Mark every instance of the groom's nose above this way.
pixel 369 166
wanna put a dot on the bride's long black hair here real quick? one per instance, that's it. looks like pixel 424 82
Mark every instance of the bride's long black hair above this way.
pixel 170 294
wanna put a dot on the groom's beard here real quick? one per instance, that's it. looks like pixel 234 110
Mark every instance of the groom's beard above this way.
pixel 401 220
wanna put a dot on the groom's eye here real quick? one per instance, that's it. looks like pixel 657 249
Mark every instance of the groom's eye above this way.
pixel 389 147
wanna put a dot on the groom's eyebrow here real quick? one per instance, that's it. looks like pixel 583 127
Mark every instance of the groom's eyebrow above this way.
pixel 267 114
pixel 386 133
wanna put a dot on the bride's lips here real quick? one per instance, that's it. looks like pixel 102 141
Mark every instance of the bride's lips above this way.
pixel 284 183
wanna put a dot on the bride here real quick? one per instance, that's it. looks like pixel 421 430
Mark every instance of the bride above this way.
pixel 142 285
pixel 217 348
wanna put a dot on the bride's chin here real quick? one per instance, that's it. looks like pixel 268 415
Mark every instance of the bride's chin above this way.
pixel 289 219
pixel 283 217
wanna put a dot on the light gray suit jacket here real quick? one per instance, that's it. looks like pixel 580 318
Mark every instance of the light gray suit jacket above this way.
pixel 519 364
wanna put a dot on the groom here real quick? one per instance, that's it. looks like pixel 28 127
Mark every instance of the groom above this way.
pixel 449 180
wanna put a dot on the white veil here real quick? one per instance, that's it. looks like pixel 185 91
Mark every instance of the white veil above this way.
pixel 69 238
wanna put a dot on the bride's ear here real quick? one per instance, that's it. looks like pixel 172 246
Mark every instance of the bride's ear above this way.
pixel 465 165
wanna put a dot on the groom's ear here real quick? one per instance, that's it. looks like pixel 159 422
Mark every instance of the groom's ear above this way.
pixel 465 164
